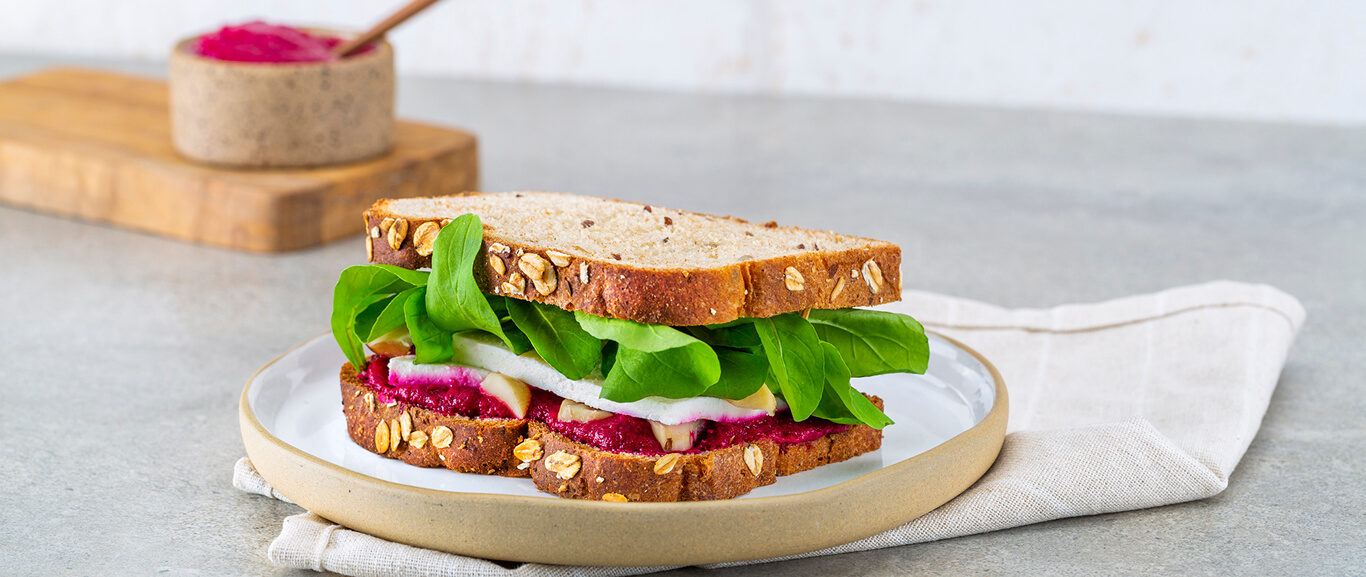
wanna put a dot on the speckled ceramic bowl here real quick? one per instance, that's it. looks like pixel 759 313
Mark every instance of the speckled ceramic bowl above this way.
pixel 261 115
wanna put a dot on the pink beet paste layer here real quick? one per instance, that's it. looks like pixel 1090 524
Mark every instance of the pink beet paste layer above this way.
pixel 617 433
pixel 258 41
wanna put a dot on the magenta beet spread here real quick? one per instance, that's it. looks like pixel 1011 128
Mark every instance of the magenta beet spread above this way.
pixel 617 433
pixel 459 398
pixel 258 41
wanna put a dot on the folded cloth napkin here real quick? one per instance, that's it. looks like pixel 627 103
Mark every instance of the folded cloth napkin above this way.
pixel 1126 404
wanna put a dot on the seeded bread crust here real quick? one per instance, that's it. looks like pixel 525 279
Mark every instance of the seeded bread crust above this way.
pixel 481 446
pixel 824 279
pixel 486 446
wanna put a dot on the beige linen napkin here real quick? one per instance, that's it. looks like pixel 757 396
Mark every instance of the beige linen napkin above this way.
pixel 1126 404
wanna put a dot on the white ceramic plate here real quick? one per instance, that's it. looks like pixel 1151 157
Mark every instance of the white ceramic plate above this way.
pixel 297 399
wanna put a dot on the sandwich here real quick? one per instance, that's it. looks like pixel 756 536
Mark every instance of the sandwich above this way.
pixel 612 350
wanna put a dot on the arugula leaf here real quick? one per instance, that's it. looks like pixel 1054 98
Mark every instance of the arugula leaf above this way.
pixel 840 403
pixel 557 337
pixel 634 335
pixel 358 288
pixel 676 373
pixel 431 342
pixel 795 360
pixel 453 298
pixel 874 342
pixel 742 374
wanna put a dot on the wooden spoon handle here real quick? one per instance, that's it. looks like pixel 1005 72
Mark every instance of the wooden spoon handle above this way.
pixel 404 13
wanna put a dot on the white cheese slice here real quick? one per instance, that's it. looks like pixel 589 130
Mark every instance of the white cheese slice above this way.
pixel 404 371
pixel 486 352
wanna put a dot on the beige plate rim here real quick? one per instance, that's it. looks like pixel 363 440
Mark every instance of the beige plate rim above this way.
pixel 575 532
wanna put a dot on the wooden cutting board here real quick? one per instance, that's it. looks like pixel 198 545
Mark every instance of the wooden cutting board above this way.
pixel 97 146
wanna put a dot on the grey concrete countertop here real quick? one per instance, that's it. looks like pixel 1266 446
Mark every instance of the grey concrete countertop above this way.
pixel 124 354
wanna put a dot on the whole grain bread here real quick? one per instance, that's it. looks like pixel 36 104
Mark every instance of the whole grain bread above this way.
pixel 639 262
pixel 566 468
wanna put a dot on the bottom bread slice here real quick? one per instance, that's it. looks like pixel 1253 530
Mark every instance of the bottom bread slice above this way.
pixel 567 468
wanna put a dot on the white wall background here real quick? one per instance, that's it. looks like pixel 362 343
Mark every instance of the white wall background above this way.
pixel 1249 59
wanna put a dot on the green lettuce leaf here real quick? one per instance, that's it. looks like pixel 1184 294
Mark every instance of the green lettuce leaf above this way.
pixel 372 307
pixel 676 373
pixel 795 360
pixel 557 337
pixel 358 289
pixel 651 360
pixel 874 342
pixel 454 302
pixel 516 339
pixel 840 403
pixel 634 335
pixel 738 335
pixel 431 343
pixel 609 357
pixel 388 319
pixel 742 373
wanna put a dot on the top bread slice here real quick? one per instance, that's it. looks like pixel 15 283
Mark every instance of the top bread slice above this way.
pixel 639 262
